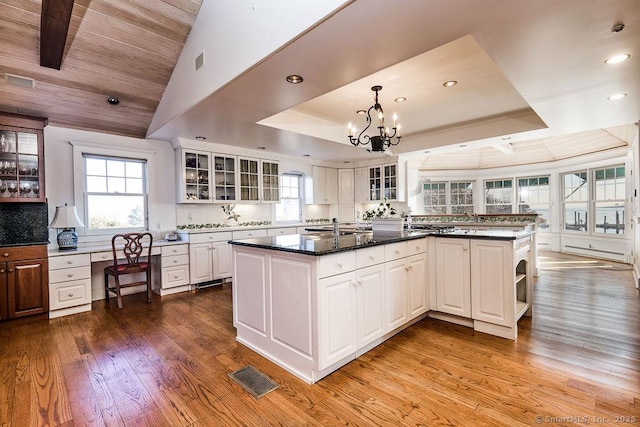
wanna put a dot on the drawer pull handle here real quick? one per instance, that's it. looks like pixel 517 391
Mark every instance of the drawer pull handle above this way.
pixel 69 262
pixel 397 252
pixel 70 275
pixel 175 261
pixel 6 254
pixel 70 294
pixel 175 277
pixel 371 257
pixel 175 250
pixel 339 265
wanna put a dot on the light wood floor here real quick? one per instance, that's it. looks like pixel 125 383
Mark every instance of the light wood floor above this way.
pixel 167 363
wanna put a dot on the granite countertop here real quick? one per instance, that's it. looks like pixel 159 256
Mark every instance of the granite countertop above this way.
pixel 324 243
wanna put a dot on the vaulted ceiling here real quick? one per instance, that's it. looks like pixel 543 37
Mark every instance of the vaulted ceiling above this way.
pixel 532 83
pixel 114 48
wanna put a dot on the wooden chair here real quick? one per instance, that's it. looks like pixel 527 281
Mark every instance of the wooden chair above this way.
pixel 135 247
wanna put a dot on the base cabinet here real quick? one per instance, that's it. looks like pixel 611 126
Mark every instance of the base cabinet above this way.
pixel 453 277
pixel 69 284
pixel 209 257
pixel 24 281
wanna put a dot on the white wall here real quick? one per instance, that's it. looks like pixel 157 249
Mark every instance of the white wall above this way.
pixel 59 173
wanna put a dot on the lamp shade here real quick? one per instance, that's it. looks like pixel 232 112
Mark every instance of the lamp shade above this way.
pixel 66 217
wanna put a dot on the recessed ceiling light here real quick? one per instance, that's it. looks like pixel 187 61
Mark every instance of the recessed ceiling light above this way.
pixel 306 155
pixel 262 148
pixel 450 83
pixel 427 152
pixel 201 137
pixel 113 100
pixel 463 145
pixel 616 96
pixel 400 99
pixel 295 79
pixel 347 161
pixel 361 112
pixel 616 59
pixel 506 138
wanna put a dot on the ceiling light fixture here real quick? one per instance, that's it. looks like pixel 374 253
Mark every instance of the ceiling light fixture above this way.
pixel 616 96
pixel 113 100
pixel 361 112
pixel 450 83
pixel 400 99
pixel 383 139
pixel 616 59
pixel 295 79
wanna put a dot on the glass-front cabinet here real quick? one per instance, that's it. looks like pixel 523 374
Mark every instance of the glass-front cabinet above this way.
pixel 225 178
pixel 259 181
pixel 270 182
pixel 21 164
pixel 385 181
pixel 194 186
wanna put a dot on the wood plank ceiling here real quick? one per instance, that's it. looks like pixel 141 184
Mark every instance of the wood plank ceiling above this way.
pixel 114 48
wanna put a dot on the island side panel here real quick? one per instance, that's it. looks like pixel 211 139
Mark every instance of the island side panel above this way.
pixel 249 291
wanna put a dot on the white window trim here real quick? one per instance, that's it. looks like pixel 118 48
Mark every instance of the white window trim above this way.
pixel 274 217
pixel 80 148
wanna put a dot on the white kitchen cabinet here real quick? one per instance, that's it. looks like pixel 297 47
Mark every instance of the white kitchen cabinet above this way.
pixel 224 178
pixel 417 285
pixel 209 257
pixel 337 319
pixel 396 293
pixel 346 181
pixel 259 180
pixel 370 304
pixel 385 181
pixel 322 188
pixel 281 231
pixel 173 270
pixel 453 276
pixel 69 284
pixel 192 176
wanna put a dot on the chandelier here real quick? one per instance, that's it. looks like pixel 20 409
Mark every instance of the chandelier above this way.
pixel 384 139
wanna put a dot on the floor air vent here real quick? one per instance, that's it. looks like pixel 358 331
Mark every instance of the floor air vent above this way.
pixel 19 81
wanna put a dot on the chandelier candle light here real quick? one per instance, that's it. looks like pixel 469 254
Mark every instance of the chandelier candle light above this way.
pixel 384 139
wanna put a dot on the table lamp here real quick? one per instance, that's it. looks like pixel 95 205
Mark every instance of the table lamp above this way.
pixel 66 218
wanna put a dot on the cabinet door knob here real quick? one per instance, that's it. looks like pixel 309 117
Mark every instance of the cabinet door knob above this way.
pixel 10 270
pixel 70 275
pixel 371 257
pixel 69 262
pixel 6 254
pixel 339 265
pixel 70 294
pixel 2 270
pixel 175 261
pixel 175 277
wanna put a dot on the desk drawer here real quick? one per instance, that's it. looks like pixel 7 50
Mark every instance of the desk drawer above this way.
pixel 69 274
pixel 108 255
pixel 175 276
pixel 169 261
pixel 69 294
pixel 66 261
pixel 221 236
pixel 175 250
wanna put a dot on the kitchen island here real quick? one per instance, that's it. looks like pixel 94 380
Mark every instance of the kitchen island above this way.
pixel 311 303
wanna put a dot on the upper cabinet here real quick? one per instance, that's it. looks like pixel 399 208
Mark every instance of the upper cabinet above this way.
pixel 345 186
pixel 259 180
pixel 193 175
pixel 206 177
pixel 21 160
pixel 322 188
pixel 386 181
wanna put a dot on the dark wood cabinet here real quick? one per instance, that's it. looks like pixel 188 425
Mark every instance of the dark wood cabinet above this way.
pixel 21 159
pixel 24 281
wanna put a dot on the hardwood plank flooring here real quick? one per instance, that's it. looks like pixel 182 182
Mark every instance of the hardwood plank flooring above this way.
pixel 576 361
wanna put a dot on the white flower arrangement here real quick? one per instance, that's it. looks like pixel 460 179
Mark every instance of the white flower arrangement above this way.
pixel 383 211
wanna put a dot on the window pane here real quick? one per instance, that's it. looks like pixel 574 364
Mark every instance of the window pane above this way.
pixel 96 166
pixel 610 218
pixel 575 216
pixel 96 184
pixel 105 212
pixel 135 185
pixel 116 185
pixel 134 170
pixel 115 168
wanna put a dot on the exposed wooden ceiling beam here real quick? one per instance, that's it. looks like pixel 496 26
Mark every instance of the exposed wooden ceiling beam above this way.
pixel 54 25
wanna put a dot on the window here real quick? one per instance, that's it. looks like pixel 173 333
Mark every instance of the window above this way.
pixel 576 201
pixel 609 200
pixel 435 198
pixel 115 193
pixel 290 207
pixel 499 196
pixel 461 197
pixel 534 198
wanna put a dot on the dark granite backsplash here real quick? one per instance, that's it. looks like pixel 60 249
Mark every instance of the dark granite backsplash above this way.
pixel 24 224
